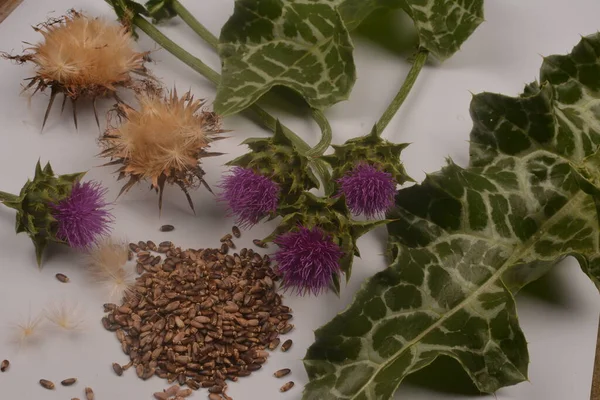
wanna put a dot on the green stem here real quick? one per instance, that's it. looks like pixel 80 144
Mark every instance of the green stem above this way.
pixel 389 113
pixel 196 26
pixel 326 134
pixel 197 65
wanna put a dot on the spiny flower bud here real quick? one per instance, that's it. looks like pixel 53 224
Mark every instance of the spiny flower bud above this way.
pixel 308 260
pixel 368 190
pixel 60 209
pixel 367 170
pixel 249 195
pixel 277 158
pixel 333 219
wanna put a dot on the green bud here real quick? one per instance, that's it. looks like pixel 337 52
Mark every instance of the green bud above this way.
pixel 277 158
pixel 371 149
pixel 33 205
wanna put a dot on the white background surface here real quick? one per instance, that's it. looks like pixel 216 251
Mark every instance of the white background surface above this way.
pixel 502 55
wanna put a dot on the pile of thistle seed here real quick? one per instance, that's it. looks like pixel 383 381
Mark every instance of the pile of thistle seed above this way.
pixel 199 317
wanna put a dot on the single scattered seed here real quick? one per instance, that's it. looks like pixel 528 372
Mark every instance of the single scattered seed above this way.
pixel 68 382
pixel 62 277
pixel 282 372
pixel 167 228
pixel 46 384
pixel 286 386
pixel 260 243
pixel 274 344
pixel 286 345
pixel 226 238
pixel 75 398
pixel 236 231
pixel 117 368
pixel 89 393
pixel 4 365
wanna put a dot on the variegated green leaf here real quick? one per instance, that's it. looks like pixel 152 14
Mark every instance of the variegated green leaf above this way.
pixel 466 239
pixel 442 25
pixel 303 45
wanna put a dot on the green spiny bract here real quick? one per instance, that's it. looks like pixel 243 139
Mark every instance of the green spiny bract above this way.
pixel 371 149
pixel 277 158
pixel 33 205
pixel 331 215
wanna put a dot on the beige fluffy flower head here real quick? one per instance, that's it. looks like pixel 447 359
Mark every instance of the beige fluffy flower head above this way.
pixel 162 142
pixel 82 57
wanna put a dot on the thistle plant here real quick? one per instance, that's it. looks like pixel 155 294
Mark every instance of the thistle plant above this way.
pixel 60 209
pixel 163 141
pixel 82 57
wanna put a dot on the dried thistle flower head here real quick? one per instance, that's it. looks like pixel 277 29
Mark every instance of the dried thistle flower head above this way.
pixel 82 57
pixel 106 263
pixel 163 141
pixel 65 315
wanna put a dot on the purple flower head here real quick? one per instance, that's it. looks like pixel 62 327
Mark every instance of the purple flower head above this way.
pixel 82 216
pixel 250 196
pixel 307 259
pixel 368 190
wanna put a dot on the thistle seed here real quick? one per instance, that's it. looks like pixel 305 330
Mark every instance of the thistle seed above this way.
pixel 68 382
pixel 286 386
pixel 4 365
pixel 214 396
pixel 89 393
pixel 118 369
pixel 167 228
pixel 260 243
pixel 286 345
pixel 226 238
pixel 236 231
pixel 62 277
pixel 282 372
pixel 46 384
pixel 161 396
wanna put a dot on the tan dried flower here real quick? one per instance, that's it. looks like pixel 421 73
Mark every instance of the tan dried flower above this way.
pixel 29 330
pixel 163 141
pixel 82 57
pixel 106 263
pixel 65 315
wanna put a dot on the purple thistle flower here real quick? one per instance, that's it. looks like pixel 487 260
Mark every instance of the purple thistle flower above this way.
pixel 307 259
pixel 250 196
pixel 82 216
pixel 368 190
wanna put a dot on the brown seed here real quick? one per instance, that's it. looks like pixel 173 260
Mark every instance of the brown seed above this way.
pixel 286 345
pixel 260 243
pixel 226 238
pixel 75 398
pixel 4 365
pixel 214 396
pixel 172 390
pixel 161 396
pixel 216 389
pixel 282 372
pixel 167 228
pixel 62 277
pixel 184 392
pixel 89 393
pixel 46 384
pixel 224 249
pixel 68 381
pixel 117 368
pixel 286 386
pixel 236 231
pixel 274 343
